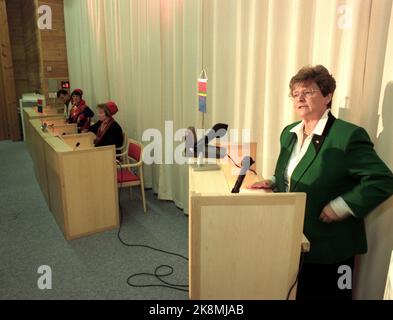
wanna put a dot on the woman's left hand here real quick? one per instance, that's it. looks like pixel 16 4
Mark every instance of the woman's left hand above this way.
pixel 328 215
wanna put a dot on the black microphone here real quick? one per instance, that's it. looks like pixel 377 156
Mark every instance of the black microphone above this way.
pixel 194 148
pixel 218 131
pixel 191 138
pixel 44 127
pixel 77 145
pixel 246 165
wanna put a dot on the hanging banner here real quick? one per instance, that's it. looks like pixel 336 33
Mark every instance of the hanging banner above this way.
pixel 202 92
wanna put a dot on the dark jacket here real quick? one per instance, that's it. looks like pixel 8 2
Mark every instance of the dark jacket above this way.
pixel 340 162
pixel 113 136
pixel 82 119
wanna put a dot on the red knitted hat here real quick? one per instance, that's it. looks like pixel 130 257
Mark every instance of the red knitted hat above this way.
pixel 112 107
pixel 77 92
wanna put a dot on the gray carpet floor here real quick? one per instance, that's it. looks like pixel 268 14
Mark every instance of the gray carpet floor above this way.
pixel 95 267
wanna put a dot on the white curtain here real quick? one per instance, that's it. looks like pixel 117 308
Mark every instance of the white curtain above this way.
pixel 377 108
pixel 147 55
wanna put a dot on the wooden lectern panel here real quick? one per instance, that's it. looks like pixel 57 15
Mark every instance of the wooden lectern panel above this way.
pixel 65 129
pixel 51 111
pixel 82 188
pixel 92 204
pixel 245 246
pixel 82 141
pixel 54 171
pixel 36 146
pixel 212 182
pixel 32 113
pixel 55 121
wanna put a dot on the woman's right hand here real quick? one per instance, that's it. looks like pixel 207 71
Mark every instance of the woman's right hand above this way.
pixel 264 184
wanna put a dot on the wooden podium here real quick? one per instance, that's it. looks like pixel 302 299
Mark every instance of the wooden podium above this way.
pixel 242 246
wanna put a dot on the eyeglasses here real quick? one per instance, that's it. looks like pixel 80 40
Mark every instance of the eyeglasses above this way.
pixel 307 94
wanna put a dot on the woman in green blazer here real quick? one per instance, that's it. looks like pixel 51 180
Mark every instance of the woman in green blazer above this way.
pixel 334 163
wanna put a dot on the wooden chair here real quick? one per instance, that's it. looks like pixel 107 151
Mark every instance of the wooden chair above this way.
pixel 125 176
pixel 123 149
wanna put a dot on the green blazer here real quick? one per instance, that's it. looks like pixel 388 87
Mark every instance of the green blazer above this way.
pixel 340 162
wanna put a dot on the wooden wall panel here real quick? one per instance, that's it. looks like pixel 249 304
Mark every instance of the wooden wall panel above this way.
pixel 9 103
pixel 53 44
pixel 39 54
pixel 32 44
pixel 16 31
pixel 4 135
pixel 34 56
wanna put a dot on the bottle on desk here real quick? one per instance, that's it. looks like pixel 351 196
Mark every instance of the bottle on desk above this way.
pixel 40 108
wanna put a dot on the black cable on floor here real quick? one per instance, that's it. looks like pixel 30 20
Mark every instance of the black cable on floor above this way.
pixel 297 276
pixel 159 273
pixel 159 276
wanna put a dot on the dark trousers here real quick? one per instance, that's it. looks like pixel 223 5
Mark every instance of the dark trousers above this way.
pixel 320 281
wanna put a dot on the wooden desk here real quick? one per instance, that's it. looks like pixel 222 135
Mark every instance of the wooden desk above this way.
pixel 63 130
pixel 35 140
pixel 32 114
pixel 244 246
pixel 79 184
pixel 47 111
pixel 82 186
pixel 53 121
pixel 79 141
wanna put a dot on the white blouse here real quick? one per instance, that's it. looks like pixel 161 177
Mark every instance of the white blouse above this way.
pixel 339 205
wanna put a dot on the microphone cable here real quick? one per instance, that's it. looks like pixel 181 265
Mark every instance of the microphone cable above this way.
pixel 161 271
pixel 297 276
pixel 239 166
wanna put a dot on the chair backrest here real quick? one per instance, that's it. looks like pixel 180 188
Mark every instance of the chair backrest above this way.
pixel 124 145
pixel 135 150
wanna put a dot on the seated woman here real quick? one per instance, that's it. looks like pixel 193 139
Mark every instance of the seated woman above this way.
pixel 107 130
pixel 80 113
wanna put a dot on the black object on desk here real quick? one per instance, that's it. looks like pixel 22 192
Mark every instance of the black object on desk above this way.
pixel 246 165
pixel 201 148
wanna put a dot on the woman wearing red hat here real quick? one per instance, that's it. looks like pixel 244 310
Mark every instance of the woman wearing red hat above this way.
pixel 80 113
pixel 107 130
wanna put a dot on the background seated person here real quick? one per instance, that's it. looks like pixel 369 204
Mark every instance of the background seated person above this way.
pixel 65 98
pixel 107 130
pixel 80 113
